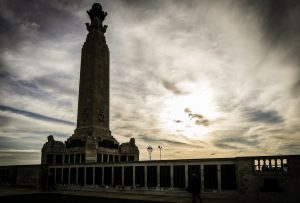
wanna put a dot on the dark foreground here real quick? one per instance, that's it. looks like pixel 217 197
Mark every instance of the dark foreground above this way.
pixel 62 198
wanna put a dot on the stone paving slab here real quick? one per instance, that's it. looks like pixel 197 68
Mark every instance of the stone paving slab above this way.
pixel 119 197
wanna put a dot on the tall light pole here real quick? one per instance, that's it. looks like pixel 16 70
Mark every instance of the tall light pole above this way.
pixel 149 149
pixel 160 148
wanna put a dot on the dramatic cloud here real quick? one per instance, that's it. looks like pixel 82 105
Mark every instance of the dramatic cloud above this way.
pixel 200 120
pixel 236 142
pixel 264 116
pixel 172 87
pixel 200 78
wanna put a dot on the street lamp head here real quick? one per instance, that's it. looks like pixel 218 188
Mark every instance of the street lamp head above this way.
pixel 149 149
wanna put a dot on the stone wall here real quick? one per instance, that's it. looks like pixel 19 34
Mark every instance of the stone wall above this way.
pixel 23 175
pixel 265 182
pixel 270 185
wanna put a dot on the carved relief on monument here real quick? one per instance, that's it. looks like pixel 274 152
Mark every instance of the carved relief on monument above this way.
pixel 100 85
pixel 100 115
pixel 84 115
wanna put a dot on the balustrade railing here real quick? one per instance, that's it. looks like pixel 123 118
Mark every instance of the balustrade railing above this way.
pixel 270 165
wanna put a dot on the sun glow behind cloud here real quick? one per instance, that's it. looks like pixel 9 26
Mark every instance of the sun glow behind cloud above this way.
pixel 177 120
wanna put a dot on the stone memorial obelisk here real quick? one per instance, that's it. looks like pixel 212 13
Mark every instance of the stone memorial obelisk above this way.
pixel 92 140
pixel 93 101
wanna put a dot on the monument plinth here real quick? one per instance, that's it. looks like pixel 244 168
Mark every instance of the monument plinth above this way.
pixel 92 138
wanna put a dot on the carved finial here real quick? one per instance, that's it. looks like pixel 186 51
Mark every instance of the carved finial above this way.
pixel 97 16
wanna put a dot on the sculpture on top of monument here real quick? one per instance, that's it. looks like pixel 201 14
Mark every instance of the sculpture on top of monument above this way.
pixel 97 16
pixel 53 144
pixel 129 147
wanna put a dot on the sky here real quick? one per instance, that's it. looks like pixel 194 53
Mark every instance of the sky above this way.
pixel 202 79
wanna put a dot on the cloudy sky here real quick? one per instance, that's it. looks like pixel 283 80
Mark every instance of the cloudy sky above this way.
pixel 200 78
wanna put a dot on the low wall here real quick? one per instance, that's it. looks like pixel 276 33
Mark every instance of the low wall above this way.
pixel 21 175
pixel 243 179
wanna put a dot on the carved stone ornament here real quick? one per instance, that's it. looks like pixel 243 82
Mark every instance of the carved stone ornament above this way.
pixel 100 115
pixel 84 115
pixel 97 16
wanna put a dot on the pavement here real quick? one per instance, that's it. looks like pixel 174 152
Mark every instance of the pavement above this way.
pixel 17 194
pixel 24 193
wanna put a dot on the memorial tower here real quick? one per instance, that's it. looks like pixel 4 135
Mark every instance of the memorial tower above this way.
pixel 92 137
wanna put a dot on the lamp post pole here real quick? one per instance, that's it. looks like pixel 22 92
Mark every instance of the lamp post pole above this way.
pixel 160 148
pixel 149 149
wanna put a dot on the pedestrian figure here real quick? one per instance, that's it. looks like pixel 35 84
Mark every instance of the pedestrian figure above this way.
pixel 51 182
pixel 44 180
pixel 195 187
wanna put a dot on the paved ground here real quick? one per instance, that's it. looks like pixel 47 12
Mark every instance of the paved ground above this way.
pixel 29 194
pixel 63 198
pixel 13 194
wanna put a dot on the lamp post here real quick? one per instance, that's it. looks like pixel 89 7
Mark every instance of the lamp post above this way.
pixel 160 148
pixel 149 149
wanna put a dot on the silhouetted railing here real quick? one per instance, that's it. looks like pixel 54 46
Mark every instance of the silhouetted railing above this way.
pixel 270 165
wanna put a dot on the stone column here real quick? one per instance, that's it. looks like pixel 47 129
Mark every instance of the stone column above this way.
pixel 158 176
pixel 133 176
pixel 61 177
pixel 54 158
pixel 69 178
pixel 112 174
pixel 202 177
pixel 186 174
pixel 123 176
pixel 219 177
pixel 55 176
pixel 172 176
pixel 93 176
pixel 76 175
pixel 63 158
pixel 146 182
pixel 84 178
pixel 102 169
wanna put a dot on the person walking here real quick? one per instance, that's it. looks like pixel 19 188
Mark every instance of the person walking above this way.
pixel 51 182
pixel 195 188
pixel 44 179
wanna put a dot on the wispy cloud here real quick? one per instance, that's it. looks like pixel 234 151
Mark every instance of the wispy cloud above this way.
pixel 264 116
pixel 35 115
pixel 173 88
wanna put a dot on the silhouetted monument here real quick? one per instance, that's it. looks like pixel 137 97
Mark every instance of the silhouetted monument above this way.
pixel 92 158
pixel 92 140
